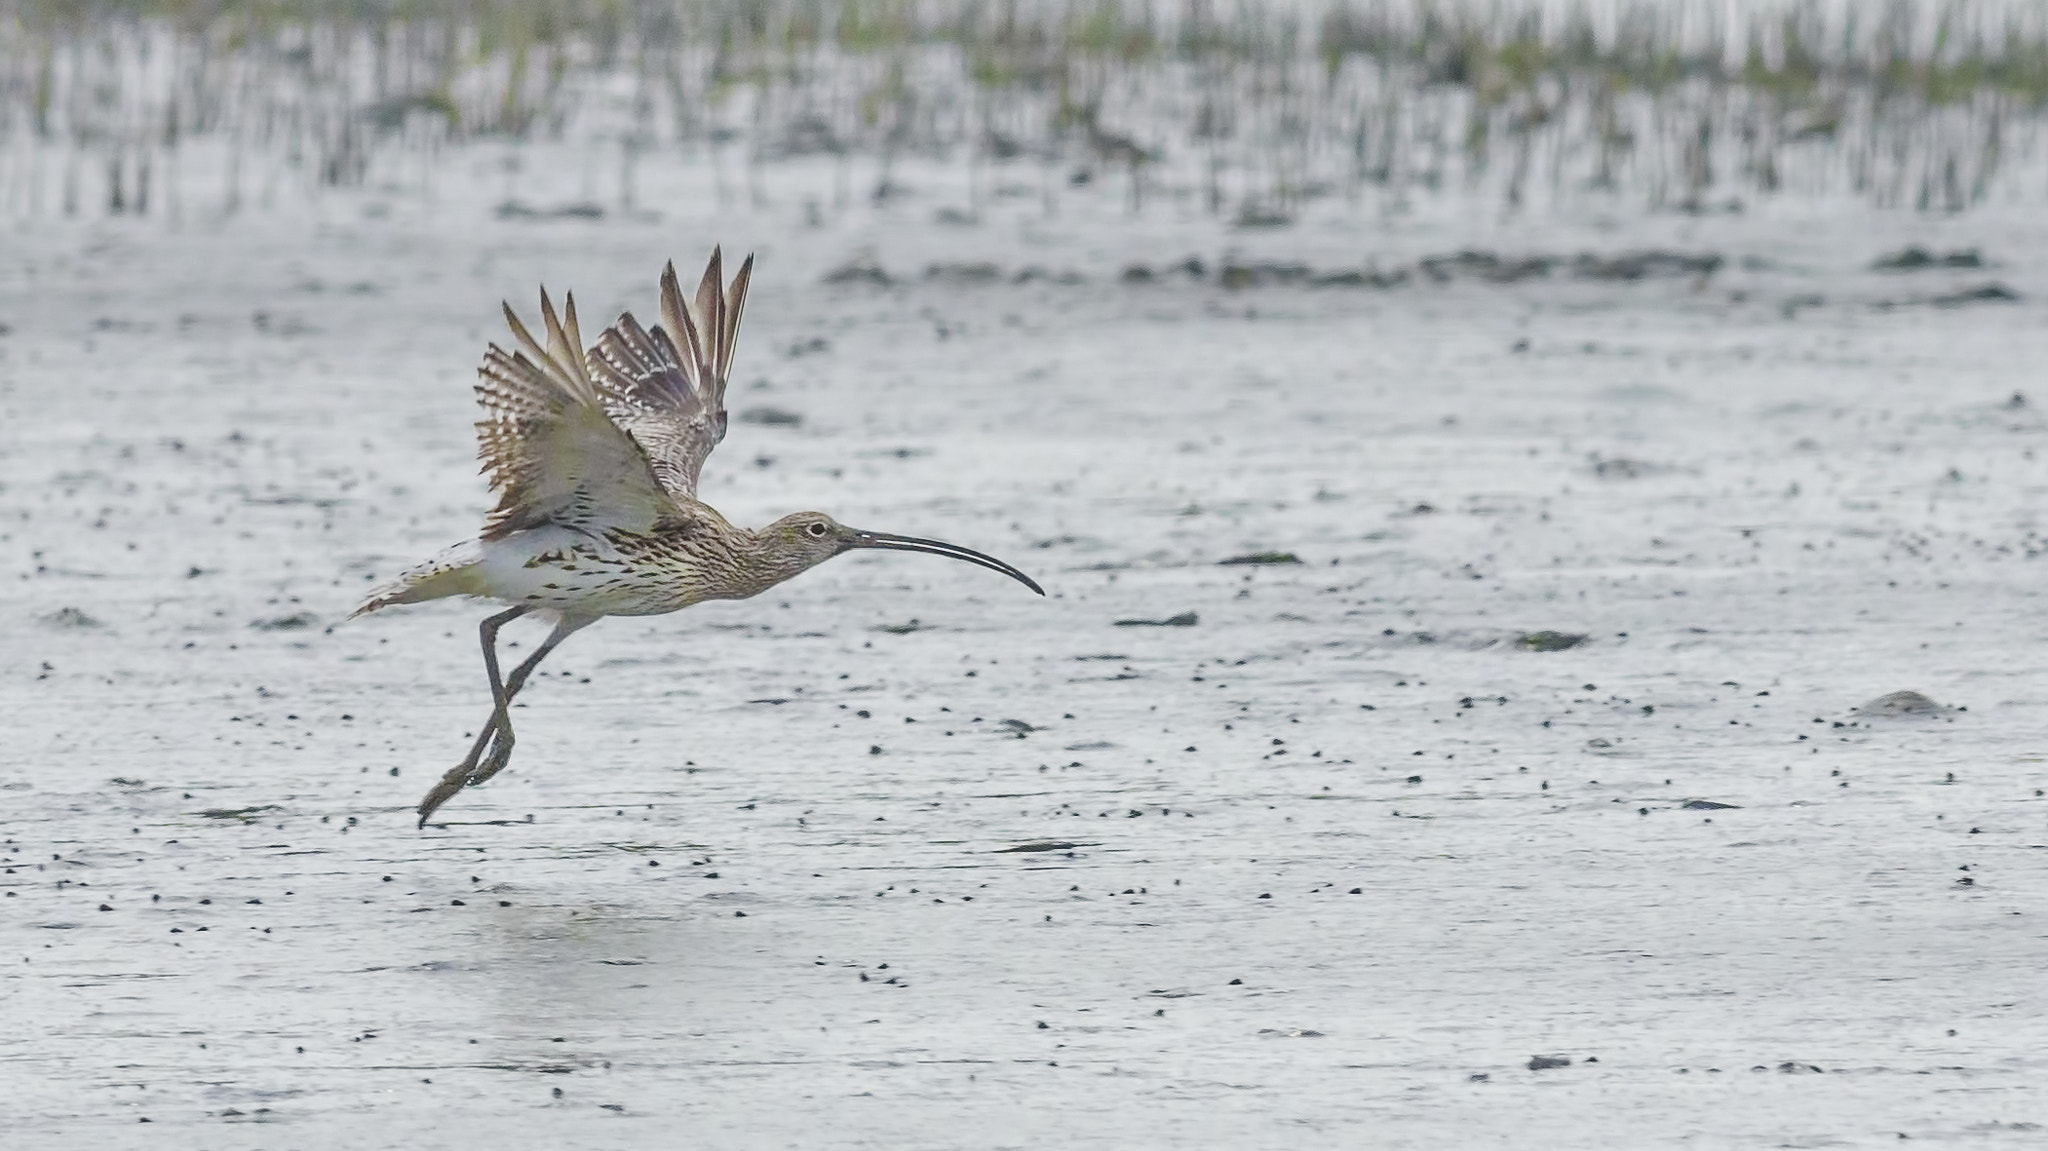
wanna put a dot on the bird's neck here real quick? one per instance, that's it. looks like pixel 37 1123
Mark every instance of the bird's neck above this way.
pixel 756 565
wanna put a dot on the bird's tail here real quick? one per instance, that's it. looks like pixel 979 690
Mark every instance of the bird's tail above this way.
pixel 453 572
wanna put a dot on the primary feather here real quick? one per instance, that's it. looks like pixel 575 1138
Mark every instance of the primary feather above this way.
pixel 666 387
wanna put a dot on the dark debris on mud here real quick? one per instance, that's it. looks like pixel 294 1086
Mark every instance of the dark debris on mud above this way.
pixel 1237 274
pixel 1184 619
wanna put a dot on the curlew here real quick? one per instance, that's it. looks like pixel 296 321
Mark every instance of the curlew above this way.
pixel 594 457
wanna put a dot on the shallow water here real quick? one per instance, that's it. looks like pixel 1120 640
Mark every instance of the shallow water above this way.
pixel 1339 858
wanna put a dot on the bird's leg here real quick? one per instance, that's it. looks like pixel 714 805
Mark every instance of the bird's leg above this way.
pixel 501 742
pixel 496 736
pixel 459 775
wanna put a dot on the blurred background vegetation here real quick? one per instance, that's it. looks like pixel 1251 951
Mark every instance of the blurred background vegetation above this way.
pixel 1248 111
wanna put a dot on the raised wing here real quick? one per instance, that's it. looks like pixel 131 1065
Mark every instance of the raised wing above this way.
pixel 666 387
pixel 551 452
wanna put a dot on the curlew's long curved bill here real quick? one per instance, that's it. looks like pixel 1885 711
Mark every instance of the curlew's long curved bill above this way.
pixel 940 548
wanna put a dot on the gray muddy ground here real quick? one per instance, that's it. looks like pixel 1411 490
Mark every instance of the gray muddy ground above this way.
pixel 901 856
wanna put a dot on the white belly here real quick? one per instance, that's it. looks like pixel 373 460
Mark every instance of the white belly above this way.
pixel 567 571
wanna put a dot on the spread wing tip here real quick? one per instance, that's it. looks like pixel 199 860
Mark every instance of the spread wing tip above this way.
pixel 664 387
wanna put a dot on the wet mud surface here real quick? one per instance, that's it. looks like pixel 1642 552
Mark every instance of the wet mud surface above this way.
pixel 1510 760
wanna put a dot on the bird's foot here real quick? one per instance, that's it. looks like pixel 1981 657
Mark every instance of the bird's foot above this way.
pixel 443 791
pixel 494 762
pixel 483 762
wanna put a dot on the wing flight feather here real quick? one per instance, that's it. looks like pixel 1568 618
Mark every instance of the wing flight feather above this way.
pixel 666 385
pixel 549 448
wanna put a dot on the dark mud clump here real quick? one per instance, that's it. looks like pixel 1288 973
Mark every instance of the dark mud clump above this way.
pixel 1900 705
pixel 1262 558
pixel 1359 278
pixel 518 210
pixel 1982 294
pixel 298 621
pixel 1256 215
pixel 1236 275
pixel 1486 266
pixel 1916 258
pixel 1192 267
pixel 1623 468
pixel 961 275
pixel 1033 273
pixel 1993 293
pixel 1184 619
pixel 1625 267
pixel 771 417
pixel 1631 266
pixel 70 617
pixel 1550 641
pixel 242 814
pixel 861 269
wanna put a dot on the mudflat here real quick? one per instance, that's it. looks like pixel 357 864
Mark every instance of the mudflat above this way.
pixel 1459 716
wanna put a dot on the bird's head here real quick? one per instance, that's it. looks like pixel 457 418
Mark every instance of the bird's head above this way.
pixel 811 538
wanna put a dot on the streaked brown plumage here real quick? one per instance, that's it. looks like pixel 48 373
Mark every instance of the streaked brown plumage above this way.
pixel 594 455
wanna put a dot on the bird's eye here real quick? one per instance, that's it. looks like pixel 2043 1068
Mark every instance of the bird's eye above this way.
pixel 816 529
